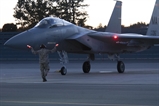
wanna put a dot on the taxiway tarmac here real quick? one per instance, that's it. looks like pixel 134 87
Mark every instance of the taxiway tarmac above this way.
pixel 21 84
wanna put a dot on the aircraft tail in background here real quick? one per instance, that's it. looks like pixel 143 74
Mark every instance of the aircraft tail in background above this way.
pixel 153 28
pixel 114 24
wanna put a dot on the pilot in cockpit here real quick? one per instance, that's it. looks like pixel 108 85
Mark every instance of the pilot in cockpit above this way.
pixel 45 22
pixel 51 22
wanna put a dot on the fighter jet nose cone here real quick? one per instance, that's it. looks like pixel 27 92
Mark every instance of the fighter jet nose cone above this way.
pixel 12 43
pixel 17 42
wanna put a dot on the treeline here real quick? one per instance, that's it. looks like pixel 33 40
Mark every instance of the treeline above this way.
pixel 28 13
pixel 139 27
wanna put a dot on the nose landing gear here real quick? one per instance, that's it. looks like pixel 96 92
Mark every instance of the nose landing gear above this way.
pixel 63 70
pixel 63 59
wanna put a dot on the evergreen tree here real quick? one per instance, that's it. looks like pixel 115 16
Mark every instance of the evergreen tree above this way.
pixel 30 12
pixel 9 27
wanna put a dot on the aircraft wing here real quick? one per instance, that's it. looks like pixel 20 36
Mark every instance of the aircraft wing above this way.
pixel 129 39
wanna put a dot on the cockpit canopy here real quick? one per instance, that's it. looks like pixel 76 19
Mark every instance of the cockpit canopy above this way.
pixel 50 22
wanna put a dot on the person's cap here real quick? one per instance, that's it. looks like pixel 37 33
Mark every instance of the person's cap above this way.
pixel 42 46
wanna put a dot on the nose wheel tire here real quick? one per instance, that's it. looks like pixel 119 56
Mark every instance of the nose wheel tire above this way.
pixel 86 67
pixel 120 67
pixel 63 70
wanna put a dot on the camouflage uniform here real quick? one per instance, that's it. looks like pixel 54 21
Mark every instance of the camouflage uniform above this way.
pixel 44 60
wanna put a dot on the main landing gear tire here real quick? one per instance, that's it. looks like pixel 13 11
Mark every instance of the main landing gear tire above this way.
pixel 86 67
pixel 120 67
pixel 63 70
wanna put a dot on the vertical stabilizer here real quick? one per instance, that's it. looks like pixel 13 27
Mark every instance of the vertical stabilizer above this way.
pixel 153 28
pixel 114 24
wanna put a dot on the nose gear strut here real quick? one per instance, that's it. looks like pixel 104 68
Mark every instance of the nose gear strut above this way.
pixel 63 59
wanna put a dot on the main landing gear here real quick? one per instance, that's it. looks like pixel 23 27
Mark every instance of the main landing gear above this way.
pixel 86 65
pixel 120 65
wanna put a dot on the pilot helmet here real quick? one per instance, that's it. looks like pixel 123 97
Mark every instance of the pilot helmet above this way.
pixel 42 46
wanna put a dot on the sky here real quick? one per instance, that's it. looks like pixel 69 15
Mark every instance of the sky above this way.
pixel 99 11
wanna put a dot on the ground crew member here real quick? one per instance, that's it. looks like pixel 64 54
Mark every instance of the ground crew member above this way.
pixel 43 59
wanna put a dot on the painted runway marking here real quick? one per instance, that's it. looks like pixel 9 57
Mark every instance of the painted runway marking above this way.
pixel 105 71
